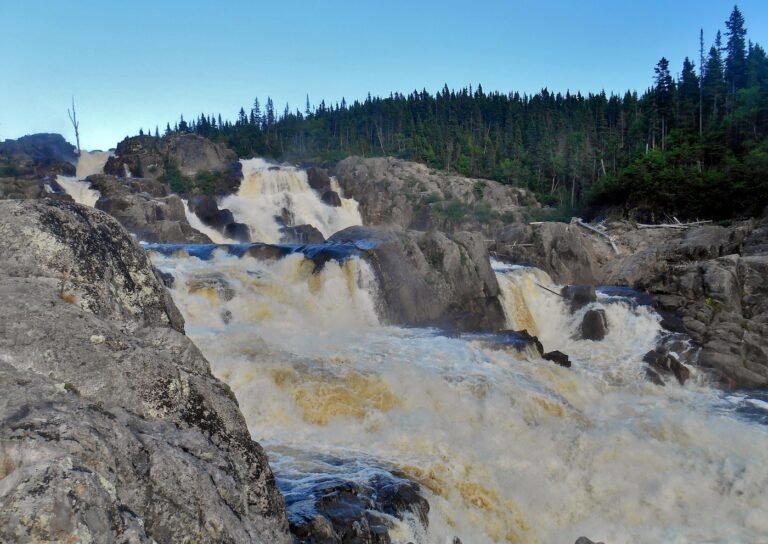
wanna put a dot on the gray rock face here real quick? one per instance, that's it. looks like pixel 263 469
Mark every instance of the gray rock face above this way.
pixel 111 425
pixel 394 192
pixel 145 157
pixel 27 187
pixel 719 296
pixel 432 279
pixel 146 208
pixel 152 219
pixel 566 252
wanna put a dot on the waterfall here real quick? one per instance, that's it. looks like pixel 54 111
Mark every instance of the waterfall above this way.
pixel 89 163
pixel 507 447
pixel 270 192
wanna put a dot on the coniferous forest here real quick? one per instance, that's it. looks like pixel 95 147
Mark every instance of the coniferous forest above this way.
pixel 692 145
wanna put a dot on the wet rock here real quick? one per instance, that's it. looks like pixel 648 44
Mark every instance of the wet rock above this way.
pixel 331 198
pixel 215 285
pixel 318 179
pixel 666 363
pixel 521 340
pixel 265 252
pixel 238 231
pixel 345 511
pixel 207 209
pixel 301 234
pixel 585 540
pixel 558 357
pixel 579 296
pixel 653 377
pixel 594 325
pixel 107 404
pixel 431 279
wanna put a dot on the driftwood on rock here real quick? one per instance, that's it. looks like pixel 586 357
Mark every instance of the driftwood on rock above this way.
pixel 675 225
pixel 578 221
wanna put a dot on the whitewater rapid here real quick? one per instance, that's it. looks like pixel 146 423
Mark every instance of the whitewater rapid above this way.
pixel 508 447
pixel 88 163
pixel 270 195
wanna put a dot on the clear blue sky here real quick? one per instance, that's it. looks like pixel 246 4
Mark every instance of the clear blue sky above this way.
pixel 140 63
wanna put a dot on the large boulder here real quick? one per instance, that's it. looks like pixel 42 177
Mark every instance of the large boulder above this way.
pixel 112 426
pixel 207 209
pixel 567 252
pixel 146 208
pixel 152 219
pixel 149 157
pixel 594 325
pixel 394 192
pixel 432 279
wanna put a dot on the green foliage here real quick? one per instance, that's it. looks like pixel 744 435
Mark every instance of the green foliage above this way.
pixel 173 177
pixel 478 189
pixel 685 147
pixel 8 171
pixel 453 210
pixel 205 182
pixel 483 212
pixel 431 198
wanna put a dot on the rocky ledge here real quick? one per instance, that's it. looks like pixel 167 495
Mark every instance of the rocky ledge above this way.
pixel 112 427
pixel 410 195
pixel 432 279
pixel 709 281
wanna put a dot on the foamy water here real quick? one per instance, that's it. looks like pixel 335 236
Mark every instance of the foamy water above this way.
pixel 268 192
pixel 89 163
pixel 508 447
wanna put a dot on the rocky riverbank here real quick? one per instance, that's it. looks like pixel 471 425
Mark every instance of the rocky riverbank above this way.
pixel 113 427
pixel 708 281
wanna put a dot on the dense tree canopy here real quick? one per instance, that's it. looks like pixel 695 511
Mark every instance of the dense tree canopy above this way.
pixel 690 145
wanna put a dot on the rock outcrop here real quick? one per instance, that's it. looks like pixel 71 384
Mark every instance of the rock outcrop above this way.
pixel 394 192
pixel 38 155
pixel 146 208
pixel 432 279
pixel 566 252
pixel 709 281
pixel 149 157
pixel 112 427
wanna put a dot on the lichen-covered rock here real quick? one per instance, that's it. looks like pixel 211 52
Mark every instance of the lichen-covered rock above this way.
pixel 111 424
pixel 432 279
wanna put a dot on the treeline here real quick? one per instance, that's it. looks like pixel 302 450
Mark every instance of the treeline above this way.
pixel 693 145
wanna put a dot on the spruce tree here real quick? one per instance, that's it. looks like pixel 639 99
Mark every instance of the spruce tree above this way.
pixel 736 58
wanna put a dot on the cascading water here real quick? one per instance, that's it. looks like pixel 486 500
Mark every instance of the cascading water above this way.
pixel 508 447
pixel 89 163
pixel 269 192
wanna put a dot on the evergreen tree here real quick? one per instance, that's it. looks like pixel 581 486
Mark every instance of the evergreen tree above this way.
pixel 688 92
pixel 736 58
pixel 714 85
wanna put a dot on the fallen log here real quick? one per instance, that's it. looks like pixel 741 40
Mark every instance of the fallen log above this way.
pixel 578 221
pixel 677 225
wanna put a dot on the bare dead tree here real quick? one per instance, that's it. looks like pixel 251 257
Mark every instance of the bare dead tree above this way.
pixel 75 123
